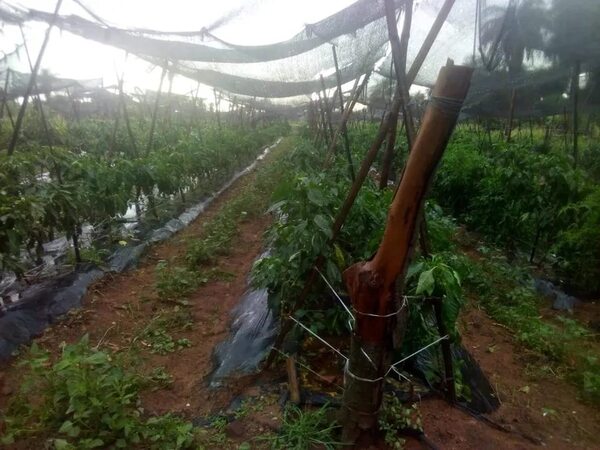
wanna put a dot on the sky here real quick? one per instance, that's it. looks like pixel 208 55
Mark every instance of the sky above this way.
pixel 246 22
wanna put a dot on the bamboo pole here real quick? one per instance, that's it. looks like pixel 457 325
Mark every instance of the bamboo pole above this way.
pixel 370 284
pixel 155 110
pixel 343 124
pixel 347 111
pixel 327 109
pixel 575 95
pixel 399 63
pixel 32 80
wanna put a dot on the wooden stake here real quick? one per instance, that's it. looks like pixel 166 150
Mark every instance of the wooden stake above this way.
pixel 31 83
pixel 155 110
pixel 293 384
pixel 343 124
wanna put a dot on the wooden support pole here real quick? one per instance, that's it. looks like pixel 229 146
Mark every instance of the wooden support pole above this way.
pixel 511 111
pixel 347 112
pixel 126 116
pixel 367 161
pixel 575 95
pixel 5 100
pixel 399 57
pixel 370 284
pixel 327 109
pixel 37 92
pixel 343 124
pixel 217 103
pixel 31 83
pixel 399 63
pixel 155 110
pixel 293 384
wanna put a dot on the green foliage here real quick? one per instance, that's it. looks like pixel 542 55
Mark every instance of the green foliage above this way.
pixel 159 378
pixel 395 418
pixel 304 430
pixel 174 283
pixel 48 191
pixel 85 400
pixel 524 199
pixel 578 246
pixel 305 204
pixel 162 343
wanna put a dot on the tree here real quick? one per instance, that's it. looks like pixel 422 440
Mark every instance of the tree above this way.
pixel 575 33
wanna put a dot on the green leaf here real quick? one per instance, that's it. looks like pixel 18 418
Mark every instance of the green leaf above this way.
pixel 426 283
pixel 69 429
pixel 323 224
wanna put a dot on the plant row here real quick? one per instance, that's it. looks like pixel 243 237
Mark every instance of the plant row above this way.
pixel 52 190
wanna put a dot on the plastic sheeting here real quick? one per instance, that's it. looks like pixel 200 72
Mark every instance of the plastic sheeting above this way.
pixel 42 304
pixel 252 333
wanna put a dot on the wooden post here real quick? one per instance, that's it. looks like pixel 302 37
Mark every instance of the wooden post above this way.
pixel 367 162
pixel 293 385
pixel 31 83
pixel 343 124
pixel 37 92
pixel 399 57
pixel 399 63
pixel 575 95
pixel 5 101
pixel 370 284
pixel 327 109
pixel 217 104
pixel 155 110
pixel 511 112
pixel 347 112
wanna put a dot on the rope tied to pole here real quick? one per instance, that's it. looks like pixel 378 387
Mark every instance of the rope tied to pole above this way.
pixel 447 105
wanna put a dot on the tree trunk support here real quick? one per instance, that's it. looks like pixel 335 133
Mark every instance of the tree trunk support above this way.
pixel 367 161
pixel 370 284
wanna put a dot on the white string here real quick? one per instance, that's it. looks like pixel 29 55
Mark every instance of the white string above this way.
pixel 335 293
pixel 417 352
pixel 385 316
pixel 319 338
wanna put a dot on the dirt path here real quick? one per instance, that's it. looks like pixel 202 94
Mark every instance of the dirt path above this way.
pixel 118 308
pixel 537 408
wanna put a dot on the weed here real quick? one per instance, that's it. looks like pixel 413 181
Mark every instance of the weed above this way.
pixel 303 430
pixel 83 401
pixel 162 343
pixel 159 378
pixel 396 418
pixel 176 283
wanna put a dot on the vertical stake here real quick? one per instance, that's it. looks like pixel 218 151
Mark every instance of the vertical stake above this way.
pixel 343 124
pixel 31 83
pixel 155 111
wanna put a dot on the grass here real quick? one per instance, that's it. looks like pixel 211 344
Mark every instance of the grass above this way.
pixel 305 429
pixel 564 346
